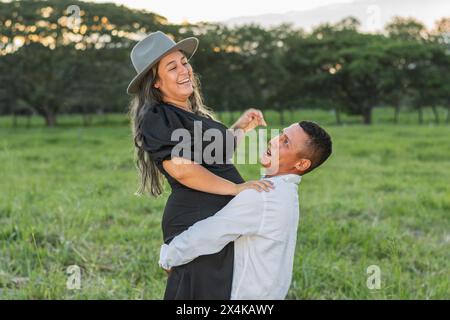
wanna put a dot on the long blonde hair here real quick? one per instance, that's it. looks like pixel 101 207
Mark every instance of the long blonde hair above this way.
pixel 151 179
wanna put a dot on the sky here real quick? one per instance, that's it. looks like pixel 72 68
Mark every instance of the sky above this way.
pixel 177 11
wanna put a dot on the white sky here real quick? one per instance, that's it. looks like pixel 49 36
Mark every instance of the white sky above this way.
pixel 218 10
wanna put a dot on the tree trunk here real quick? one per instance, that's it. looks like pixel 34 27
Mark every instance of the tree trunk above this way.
pixel 436 114
pixel 14 124
pixel 337 113
pixel 87 119
pixel 367 115
pixel 419 109
pixel 396 114
pixel 50 119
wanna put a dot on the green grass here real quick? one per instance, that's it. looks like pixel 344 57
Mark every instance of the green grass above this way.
pixel 67 197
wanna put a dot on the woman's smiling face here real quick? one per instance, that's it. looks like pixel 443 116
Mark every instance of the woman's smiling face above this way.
pixel 174 77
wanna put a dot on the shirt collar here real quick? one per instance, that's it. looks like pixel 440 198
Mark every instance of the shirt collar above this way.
pixel 290 177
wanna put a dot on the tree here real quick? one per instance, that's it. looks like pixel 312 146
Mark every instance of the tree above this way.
pixel 52 53
pixel 345 68
pixel 45 86
pixel 427 77
pixel 407 29
pixel 394 80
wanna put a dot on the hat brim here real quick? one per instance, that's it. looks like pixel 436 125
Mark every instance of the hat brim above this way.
pixel 188 46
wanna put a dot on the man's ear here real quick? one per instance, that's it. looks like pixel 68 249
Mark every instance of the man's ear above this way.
pixel 303 165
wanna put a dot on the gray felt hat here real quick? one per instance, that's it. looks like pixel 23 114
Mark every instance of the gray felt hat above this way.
pixel 151 49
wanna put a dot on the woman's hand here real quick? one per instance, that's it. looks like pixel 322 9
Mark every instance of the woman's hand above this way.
pixel 258 185
pixel 249 120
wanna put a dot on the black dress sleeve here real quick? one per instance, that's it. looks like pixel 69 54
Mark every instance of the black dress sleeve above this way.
pixel 158 124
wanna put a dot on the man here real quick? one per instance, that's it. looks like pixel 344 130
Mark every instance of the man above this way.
pixel 262 225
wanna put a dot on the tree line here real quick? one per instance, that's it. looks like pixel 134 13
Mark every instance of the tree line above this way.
pixel 52 63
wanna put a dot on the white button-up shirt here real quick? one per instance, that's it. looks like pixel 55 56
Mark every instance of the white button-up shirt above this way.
pixel 263 226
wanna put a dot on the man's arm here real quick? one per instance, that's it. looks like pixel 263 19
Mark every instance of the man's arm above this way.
pixel 241 216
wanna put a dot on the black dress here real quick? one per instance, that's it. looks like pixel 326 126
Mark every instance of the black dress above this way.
pixel 210 276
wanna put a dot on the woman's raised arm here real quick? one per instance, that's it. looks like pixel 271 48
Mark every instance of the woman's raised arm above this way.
pixel 248 121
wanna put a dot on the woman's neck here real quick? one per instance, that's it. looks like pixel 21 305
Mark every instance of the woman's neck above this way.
pixel 185 105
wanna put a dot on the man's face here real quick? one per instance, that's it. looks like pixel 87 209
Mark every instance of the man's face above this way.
pixel 287 152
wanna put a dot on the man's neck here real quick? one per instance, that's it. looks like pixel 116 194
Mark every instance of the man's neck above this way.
pixel 276 174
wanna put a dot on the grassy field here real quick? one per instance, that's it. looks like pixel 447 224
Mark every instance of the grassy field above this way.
pixel 67 197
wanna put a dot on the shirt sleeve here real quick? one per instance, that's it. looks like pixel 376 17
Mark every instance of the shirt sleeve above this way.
pixel 243 215
pixel 158 127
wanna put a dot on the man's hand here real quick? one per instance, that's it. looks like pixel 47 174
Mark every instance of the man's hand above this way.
pixel 249 120
pixel 162 255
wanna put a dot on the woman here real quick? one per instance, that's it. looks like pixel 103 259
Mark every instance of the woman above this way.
pixel 167 97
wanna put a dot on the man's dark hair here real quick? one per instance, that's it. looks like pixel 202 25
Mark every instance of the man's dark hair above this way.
pixel 319 143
